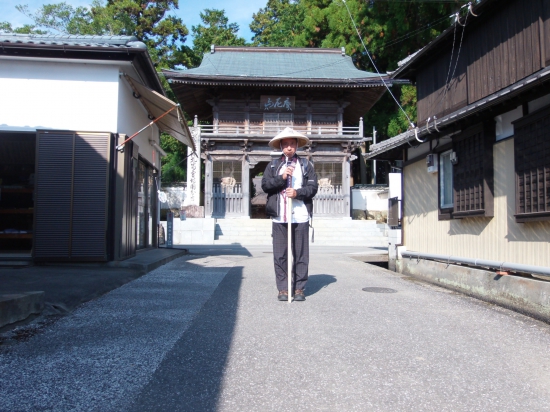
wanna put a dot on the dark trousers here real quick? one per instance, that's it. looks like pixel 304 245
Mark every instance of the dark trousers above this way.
pixel 300 254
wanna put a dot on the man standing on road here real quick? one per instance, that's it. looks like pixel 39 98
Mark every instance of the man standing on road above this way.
pixel 302 190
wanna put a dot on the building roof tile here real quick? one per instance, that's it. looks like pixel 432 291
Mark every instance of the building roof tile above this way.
pixel 277 63
pixel 72 40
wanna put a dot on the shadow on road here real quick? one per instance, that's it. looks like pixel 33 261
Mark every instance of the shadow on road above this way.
pixel 317 282
pixel 190 376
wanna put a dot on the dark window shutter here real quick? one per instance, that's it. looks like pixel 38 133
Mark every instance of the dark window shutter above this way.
pixel 473 174
pixel 53 187
pixel 532 165
pixel 90 195
pixel 72 193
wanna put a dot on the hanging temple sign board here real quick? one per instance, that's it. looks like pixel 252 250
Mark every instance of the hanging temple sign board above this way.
pixel 277 104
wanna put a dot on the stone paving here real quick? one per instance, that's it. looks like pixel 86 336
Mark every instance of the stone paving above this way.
pixel 206 333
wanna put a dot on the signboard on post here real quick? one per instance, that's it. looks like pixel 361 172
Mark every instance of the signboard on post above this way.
pixel 170 230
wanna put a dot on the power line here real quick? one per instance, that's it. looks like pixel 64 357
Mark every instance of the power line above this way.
pixel 375 67
pixel 417 31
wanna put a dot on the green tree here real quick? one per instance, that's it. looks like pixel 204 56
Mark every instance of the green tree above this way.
pixel 390 30
pixel 150 21
pixel 174 164
pixel 278 24
pixel 215 29
pixel 6 27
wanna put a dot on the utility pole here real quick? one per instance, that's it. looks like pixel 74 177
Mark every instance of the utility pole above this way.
pixel 374 161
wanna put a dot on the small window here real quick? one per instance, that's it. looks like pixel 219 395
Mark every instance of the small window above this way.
pixel 466 175
pixel 275 122
pixel 473 172
pixel 445 180
pixel 532 165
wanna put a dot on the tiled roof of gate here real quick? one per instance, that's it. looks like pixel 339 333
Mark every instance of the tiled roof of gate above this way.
pixel 72 40
pixel 276 63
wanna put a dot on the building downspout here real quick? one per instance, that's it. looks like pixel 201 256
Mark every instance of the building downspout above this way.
pixel 481 263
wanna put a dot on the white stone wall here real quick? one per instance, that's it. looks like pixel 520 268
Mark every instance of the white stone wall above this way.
pixel 193 231
pixel 176 196
pixel 375 199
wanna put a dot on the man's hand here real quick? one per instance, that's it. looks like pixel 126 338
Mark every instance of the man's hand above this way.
pixel 288 172
pixel 290 192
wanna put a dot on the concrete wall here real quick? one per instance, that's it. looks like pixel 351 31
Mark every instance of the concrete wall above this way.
pixel 193 231
pixel 370 199
pixel 525 295
pixel 73 95
pixel 497 238
pixel 132 116
pixel 58 95
pixel 176 196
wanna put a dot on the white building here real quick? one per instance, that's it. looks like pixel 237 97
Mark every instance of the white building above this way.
pixel 68 103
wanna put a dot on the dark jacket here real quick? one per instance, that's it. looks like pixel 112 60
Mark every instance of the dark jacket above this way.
pixel 273 183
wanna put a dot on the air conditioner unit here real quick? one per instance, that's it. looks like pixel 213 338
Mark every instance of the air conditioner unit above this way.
pixel 432 162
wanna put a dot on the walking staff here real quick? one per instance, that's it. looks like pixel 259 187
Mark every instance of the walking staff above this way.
pixel 289 231
pixel 290 182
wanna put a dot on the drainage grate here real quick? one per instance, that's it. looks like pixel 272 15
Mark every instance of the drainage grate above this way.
pixel 379 290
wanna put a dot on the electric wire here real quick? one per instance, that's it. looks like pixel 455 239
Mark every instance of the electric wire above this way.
pixel 414 32
pixel 450 78
pixel 376 68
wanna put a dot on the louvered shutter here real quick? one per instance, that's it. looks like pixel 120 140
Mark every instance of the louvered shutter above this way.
pixel 473 174
pixel 53 194
pixel 72 194
pixel 90 196
pixel 532 165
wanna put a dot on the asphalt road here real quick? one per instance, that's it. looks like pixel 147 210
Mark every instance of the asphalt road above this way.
pixel 206 333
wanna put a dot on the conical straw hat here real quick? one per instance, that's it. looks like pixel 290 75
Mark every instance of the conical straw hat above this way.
pixel 288 133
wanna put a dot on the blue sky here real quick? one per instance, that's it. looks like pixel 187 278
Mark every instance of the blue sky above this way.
pixel 238 11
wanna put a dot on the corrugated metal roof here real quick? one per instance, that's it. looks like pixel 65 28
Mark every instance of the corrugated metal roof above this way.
pixel 283 63
pixel 72 40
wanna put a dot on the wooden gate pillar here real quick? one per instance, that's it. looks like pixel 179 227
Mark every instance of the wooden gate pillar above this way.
pixel 208 182
pixel 246 186
pixel 346 189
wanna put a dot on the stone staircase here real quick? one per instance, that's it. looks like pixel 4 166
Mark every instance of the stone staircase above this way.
pixel 328 232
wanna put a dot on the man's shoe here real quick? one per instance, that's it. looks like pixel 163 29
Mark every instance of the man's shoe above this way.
pixel 299 295
pixel 283 296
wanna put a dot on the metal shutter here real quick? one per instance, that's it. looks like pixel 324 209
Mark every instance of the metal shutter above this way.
pixel 90 196
pixel 72 194
pixel 53 193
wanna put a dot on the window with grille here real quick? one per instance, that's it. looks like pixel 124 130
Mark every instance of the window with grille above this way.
pixel 328 174
pixel 227 172
pixel 274 122
pixel 473 173
pixel 445 180
pixel 532 165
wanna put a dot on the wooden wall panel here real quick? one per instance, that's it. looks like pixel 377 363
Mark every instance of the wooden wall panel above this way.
pixel 498 238
pixel 435 96
pixel 545 31
pixel 506 49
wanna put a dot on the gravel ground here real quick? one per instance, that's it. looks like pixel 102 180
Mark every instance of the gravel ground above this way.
pixel 206 333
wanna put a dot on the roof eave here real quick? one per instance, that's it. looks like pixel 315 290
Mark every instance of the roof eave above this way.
pixel 529 83
pixel 240 81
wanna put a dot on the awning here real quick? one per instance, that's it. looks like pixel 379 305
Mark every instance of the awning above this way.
pixel 156 104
